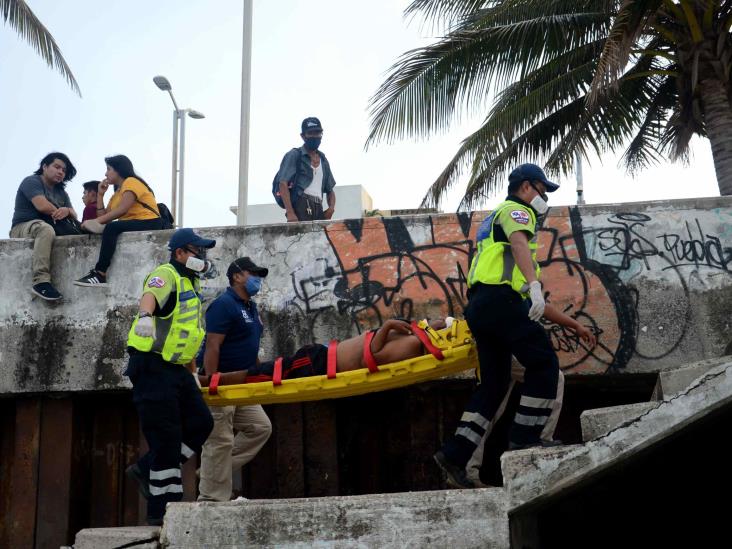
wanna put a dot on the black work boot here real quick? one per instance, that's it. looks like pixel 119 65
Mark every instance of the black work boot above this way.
pixel 134 472
pixel 456 476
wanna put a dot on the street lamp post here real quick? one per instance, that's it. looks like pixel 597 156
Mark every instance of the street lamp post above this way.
pixel 246 85
pixel 179 149
pixel 580 184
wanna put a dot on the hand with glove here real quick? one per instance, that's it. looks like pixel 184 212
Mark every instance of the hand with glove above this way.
pixel 144 327
pixel 537 301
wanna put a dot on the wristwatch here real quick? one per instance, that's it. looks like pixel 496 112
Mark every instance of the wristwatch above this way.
pixel 143 314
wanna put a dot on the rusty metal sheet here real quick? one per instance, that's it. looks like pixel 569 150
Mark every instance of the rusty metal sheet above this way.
pixel 106 465
pixel 259 474
pixel 423 414
pixel 130 448
pixel 24 481
pixel 7 449
pixel 290 479
pixel 321 448
pixel 142 502
pixel 54 473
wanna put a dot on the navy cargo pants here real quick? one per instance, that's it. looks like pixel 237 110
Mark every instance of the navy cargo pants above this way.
pixel 498 318
pixel 174 419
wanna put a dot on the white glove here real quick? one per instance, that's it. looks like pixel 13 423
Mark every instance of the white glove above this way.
pixel 537 301
pixel 144 327
pixel 448 321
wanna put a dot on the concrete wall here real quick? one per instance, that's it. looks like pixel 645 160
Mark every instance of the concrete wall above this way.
pixel 351 202
pixel 653 280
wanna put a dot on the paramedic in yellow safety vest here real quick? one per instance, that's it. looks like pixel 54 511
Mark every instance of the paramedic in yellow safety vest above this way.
pixel 504 307
pixel 163 341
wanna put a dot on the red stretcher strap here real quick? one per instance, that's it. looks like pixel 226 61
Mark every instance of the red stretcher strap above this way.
pixel 213 384
pixel 331 368
pixel 426 341
pixel 277 372
pixel 368 356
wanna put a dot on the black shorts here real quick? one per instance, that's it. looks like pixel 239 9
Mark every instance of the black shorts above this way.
pixel 310 360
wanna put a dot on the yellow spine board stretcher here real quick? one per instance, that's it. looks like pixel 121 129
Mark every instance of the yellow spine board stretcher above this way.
pixel 456 344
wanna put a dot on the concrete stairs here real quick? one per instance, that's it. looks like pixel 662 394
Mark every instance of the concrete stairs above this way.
pixel 461 518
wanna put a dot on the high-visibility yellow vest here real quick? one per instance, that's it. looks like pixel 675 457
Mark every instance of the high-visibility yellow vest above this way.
pixel 493 262
pixel 178 336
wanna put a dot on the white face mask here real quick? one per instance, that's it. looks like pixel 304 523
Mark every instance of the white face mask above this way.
pixel 539 205
pixel 195 264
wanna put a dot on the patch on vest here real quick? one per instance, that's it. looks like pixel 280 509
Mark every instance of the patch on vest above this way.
pixel 520 216
pixel 156 282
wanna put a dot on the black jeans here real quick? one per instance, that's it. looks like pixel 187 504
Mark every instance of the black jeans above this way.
pixel 174 419
pixel 111 234
pixel 308 209
pixel 498 318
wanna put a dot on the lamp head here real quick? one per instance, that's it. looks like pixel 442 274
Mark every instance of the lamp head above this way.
pixel 162 83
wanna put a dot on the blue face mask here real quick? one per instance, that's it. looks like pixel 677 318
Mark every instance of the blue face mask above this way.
pixel 253 285
pixel 312 143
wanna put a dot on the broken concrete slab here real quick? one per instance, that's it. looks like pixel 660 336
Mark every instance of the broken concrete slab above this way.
pixel 445 518
pixel 142 537
pixel 675 380
pixel 545 472
pixel 600 421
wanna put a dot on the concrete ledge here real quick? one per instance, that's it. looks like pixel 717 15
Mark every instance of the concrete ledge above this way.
pixel 530 474
pixel 446 518
pixel 676 380
pixel 600 421
pixel 143 537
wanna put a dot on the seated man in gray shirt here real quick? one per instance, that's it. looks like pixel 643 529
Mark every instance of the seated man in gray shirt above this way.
pixel 40 202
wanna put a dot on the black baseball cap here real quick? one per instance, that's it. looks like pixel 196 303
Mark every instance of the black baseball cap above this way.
pixel 186 237
pixel 311 124
pixel 531 172
pixel 246 264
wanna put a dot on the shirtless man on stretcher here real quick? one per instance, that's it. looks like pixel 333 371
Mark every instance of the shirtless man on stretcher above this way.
pixel 394 341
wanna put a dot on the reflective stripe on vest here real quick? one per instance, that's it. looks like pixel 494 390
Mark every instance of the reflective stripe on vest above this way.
pixel 493 262
pixel 178 336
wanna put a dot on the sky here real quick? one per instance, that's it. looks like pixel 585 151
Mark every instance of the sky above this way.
pixel 321 58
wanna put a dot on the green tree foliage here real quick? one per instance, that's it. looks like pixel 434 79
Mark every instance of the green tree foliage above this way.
pixel 555 78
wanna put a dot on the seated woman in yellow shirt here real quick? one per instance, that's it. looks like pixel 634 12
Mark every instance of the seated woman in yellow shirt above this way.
pixel 132 207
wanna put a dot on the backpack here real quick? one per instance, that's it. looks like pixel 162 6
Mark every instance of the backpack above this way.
pixel 166 217
pixel 290 185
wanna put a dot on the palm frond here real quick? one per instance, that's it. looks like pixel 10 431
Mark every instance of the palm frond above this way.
pixel 19 16
pixel 429 87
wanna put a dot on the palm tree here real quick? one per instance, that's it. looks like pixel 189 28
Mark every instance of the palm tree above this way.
pixel 19 16
pixel 563 77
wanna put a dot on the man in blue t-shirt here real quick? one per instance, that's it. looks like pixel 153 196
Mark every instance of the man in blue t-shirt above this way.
pixel 233 332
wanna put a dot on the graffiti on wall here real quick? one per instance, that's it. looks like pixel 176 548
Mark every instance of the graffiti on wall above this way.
pixel 386 267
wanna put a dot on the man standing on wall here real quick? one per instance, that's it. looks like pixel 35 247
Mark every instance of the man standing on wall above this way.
pixel 163 342
pixel 305 177
pixel 504 307
pixel 233 333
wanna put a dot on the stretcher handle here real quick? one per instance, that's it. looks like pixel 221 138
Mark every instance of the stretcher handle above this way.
pixel 213 384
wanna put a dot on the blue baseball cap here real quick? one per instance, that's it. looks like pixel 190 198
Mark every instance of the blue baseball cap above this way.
pixel 531 172
pixel 185 237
